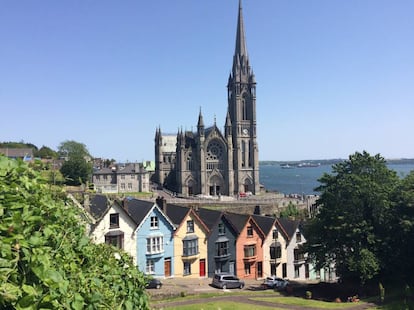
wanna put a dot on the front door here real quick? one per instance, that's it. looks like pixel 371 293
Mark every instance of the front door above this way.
pixel 202 267
pixel 259 269
pixel 231 267
pixel 167 267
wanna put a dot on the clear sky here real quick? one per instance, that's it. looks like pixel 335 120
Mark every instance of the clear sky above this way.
pixel 334 76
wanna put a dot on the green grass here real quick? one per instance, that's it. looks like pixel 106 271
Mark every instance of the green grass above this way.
pixel 221 305
pixel 295 301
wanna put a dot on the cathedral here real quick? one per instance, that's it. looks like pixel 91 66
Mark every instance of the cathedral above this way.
pixel 209 161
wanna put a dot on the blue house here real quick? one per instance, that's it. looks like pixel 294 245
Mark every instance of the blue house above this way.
pixel 154 236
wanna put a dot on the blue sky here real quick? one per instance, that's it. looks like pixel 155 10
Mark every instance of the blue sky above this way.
pixel 334 76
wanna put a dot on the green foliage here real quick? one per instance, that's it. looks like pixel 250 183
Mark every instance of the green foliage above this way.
pixel 70 148
pixel 47 261
pixel 76 171
pixel 290 211
pixel 46 152
pixel 18 145
pixel 354 226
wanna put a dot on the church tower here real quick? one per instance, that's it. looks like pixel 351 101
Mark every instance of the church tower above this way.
pixel 242 116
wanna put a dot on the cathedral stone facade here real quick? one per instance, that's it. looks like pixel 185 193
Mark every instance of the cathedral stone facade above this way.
pixel 209 161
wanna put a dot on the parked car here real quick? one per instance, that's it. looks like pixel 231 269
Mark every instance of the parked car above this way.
pixel 154 283
pixel 275 282
pixel 226 281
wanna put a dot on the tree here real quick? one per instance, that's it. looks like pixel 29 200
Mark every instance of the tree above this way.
pixel 352 228
pixel 77 168
pixel 47 261
pixel 46 152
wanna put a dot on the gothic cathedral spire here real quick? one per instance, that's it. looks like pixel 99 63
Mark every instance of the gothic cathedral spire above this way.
pixel 242 111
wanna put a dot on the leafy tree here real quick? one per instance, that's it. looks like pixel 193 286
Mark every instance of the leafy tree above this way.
pixel 353 226
pixel 46 152
pixel 76 169
pixel 400 262
pixel 47 261
pixel 70 148
pixel 290 211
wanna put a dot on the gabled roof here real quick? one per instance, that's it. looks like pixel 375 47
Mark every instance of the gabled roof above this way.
pixel 137 209
pixel 289 226
pixel 98 206
pixel 178 213
pixel 209 217
pixel 155 206
pixel 265 223
pixel 238 221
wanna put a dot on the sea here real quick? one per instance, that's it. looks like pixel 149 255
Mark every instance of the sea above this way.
pixel 304 180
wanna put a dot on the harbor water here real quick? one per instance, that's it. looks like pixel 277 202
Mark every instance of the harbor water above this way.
pixel 304 180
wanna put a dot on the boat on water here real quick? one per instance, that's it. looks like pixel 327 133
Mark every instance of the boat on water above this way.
pixel 308 165
pixel 287 166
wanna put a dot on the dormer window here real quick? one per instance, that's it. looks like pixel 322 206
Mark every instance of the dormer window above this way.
pixel 221 229
pixel 275 234
pixel 249 231
pixel 154 222
pixel 190 226
pixel 298 237
pixel 114 220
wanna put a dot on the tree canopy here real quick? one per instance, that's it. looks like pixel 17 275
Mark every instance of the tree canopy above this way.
pixel 47 261
pixel 359 225
pixel 76 169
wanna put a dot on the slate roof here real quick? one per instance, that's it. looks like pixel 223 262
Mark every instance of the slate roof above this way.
pixel 265 223
pixel 209 217
pixel 98 206
pixel 238 221
pixel 17 152
pixel 137 209
pixel 104 171
pixel 176 213
pixel 289 226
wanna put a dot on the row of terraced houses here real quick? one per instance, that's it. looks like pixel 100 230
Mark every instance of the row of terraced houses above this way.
pixel 169 240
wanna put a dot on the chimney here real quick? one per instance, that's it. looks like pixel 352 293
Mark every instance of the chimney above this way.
pixel 125 204
pixel 87 203
pixel 162 203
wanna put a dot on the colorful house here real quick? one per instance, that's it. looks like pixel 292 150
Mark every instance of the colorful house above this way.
pixel 190 241
pixel 274 246
pixel 112 224
pixel 154 235
pixel 249 246
pixel 221 242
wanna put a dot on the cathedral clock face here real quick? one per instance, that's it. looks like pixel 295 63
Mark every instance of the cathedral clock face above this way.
pixel 245 131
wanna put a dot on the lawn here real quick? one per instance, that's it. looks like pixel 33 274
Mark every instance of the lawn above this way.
pixel 221 305
pixel 295 301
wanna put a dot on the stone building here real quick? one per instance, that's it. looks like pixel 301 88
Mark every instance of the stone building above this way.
pixel 209 161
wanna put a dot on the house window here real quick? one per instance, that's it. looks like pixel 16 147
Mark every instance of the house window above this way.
pixel 150 267
pixel 190 226
pixel 154 222
pixel 247 270
pixel 155 245
pixel 130 186
pixel 132 176
pixel 122 176
pixel 97 177
pixel 249 231
pixel 249 251
pixel 298 254
pixel 275 234
pixel 221 229
pixel 114 220
pixel 275 252
pixel 105 177
pixel 187 268
pixel 190 247
pixel 222 248
pixel 123 186
pixel 296 271
pixel 298 237
pixel 117 241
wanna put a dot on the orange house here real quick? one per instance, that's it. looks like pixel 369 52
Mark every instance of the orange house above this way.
pixel 249 246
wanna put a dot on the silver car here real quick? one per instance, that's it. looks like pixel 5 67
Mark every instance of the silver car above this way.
pixel 226 281
pixel 275 282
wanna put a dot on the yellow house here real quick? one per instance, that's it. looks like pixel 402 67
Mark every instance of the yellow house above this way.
pixel 190 242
